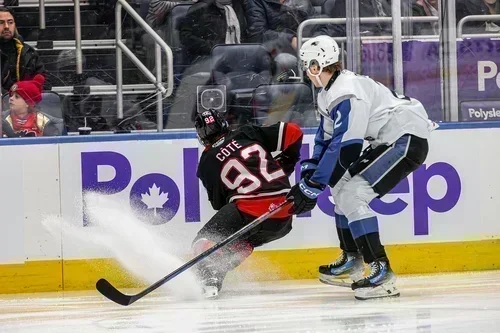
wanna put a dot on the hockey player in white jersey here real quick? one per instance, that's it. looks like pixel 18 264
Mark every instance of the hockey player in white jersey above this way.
pixel 355 108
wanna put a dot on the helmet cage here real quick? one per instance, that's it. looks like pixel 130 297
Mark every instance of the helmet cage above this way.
pixel 210 125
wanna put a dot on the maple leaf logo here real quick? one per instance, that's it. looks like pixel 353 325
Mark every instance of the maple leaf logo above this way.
pixel 154 199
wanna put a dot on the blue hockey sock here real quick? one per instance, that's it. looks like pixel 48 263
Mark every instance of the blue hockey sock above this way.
pixel 345 237
pixel 367 238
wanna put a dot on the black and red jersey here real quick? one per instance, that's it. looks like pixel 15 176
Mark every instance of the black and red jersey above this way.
pixel 240 166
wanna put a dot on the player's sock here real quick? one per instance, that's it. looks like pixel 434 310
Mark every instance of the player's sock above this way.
pixel 347 242
pixel 367 238
pixel 380 282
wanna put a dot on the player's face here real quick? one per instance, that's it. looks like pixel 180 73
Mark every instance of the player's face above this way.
pixel 311 72
pixel 7 25
pixel 17 104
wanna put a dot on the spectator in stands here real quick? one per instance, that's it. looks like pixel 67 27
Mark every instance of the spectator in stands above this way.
pixel 274 23
pixel 159 9
pixel 23 119
pixel 212 22
pixel 367 8
pixel 19 61
pixel 207 23
pixel 478 7
pixel 156 17
pixel 426 8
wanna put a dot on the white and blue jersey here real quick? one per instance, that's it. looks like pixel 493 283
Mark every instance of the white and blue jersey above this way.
pixel 355 108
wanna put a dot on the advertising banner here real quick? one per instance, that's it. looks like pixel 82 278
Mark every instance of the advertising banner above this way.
pixel 480 110
pixel 478 67
pixel 158 180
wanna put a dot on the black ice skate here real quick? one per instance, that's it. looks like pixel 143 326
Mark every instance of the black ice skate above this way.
pixel 378 284
pixel 348 267
pixel 211 279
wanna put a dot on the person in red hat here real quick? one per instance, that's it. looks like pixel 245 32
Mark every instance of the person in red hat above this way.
pixel 23 119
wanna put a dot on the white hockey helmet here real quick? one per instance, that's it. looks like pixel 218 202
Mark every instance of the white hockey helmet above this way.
pixel 321 50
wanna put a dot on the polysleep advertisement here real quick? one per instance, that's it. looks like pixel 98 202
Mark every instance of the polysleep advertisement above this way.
pixel 478 67
pixel 480 110
pixel 158 180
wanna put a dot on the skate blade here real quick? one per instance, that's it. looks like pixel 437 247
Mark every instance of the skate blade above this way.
pixel 210 292
pixel 345 283
pixel 383 291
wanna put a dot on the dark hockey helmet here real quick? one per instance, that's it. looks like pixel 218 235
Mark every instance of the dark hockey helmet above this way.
pixel 210 125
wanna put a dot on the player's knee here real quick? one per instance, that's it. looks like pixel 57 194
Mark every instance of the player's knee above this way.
pixel 237 253
pixel 201 244
pixel 337 209
pixel 354 198
pixel 344 202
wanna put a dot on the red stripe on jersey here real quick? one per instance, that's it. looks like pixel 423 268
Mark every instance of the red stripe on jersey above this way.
pixel 292 133
pixel 258 206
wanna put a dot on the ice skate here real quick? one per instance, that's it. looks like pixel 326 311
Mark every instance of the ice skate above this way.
pixel 211 280
pixel 378 284
pixel 342 272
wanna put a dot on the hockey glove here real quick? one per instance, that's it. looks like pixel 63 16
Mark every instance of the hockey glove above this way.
pixel 307 167
pixel 287 76
pixel 286 162
pixel 305 195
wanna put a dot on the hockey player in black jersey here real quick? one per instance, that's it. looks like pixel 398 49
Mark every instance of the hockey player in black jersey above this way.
pixel 243 181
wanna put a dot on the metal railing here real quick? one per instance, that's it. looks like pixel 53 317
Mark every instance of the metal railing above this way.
pixel 71 44
pixel 78 37
pixel 41 13
pixel 156 80
pixel 397 61
pixel 157 84
pixel 476 18
pixel 51 3
pixel 109 89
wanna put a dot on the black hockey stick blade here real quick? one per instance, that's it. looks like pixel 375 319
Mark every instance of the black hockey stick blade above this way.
pixel 113 294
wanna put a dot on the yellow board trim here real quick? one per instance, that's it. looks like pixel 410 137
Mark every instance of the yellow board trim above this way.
pixel 32 276
pixel 81 274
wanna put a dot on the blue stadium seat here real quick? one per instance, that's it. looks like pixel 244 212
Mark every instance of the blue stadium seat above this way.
pixel 317 4
pixel 51 104
pixel 291 102
pixel 241 68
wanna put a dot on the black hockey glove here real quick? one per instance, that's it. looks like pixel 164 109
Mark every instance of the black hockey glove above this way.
pixel 307 167
pixel 286 162
pixel 287 76
pixel 305 195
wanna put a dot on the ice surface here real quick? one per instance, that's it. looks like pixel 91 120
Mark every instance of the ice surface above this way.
pixel 457 303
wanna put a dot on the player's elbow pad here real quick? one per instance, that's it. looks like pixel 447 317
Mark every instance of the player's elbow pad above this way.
pixel 348 155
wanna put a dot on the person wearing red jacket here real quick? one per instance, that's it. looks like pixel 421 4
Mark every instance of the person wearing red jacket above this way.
pixel 23 119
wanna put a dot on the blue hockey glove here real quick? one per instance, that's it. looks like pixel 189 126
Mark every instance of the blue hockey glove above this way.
pixel 307 167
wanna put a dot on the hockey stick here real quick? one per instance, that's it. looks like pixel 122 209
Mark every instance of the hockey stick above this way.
pixel 107 289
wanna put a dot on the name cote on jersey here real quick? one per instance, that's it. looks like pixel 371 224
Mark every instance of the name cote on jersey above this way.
pixel 226 150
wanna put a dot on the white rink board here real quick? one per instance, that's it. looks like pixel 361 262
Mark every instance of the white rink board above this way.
pixel 29 191
pixel 52 182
